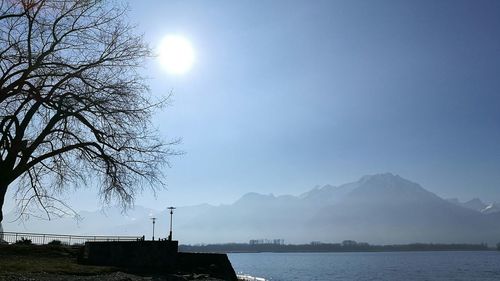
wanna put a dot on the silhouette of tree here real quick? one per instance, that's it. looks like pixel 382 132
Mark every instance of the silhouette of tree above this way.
pixel 73 106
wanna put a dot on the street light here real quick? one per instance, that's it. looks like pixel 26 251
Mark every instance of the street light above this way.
pixel 154 220
pixel 171 215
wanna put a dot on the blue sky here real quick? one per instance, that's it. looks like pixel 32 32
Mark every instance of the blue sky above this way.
pixel 286 95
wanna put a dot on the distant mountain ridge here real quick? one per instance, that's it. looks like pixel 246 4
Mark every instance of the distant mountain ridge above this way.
pixel 379 209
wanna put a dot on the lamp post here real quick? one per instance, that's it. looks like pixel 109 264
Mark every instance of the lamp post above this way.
pixel 171 217
pixel 154 220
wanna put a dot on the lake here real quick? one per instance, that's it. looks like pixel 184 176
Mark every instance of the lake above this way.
pixel 386 266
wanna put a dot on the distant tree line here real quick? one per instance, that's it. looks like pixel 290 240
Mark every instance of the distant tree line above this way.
pixel 345 246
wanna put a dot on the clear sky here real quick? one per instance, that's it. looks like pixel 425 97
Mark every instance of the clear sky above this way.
pixel 286 95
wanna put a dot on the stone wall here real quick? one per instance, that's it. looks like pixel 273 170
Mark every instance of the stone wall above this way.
pixel 136 255
pixel 156 256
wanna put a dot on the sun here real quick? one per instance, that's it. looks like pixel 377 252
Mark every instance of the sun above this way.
pixel 176 54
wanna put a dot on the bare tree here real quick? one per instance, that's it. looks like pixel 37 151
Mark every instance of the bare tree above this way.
pixel 73 105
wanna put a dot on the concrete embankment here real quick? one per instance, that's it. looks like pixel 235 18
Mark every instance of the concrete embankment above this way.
pixel 156 257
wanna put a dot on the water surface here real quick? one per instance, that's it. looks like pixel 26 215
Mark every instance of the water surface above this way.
pixel 386 266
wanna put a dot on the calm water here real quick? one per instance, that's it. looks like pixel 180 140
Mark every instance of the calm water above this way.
pixel 466 266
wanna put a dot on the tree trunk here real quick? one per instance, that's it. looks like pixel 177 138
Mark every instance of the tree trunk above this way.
pixel 3 191
pixel 4 184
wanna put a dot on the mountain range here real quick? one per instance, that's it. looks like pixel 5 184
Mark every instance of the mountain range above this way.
pixel 379 209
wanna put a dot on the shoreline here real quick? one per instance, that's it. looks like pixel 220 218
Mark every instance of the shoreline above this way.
pixel 345 247
pixel 327 252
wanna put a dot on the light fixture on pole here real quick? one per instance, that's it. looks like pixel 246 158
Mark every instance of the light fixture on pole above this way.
pixel 154 220
pixel 171 217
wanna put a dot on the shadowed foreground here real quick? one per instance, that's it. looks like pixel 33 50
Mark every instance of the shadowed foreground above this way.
pixel 32 262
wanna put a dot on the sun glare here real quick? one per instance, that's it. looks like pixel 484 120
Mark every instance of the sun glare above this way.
pixel 176 54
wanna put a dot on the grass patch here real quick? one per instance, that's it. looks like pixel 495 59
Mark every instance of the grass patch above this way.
pixel 46 258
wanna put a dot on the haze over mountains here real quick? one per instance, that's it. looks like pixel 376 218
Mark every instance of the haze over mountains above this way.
pixel 379 209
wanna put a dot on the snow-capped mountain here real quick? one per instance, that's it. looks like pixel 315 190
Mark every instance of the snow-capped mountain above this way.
pixel 382 208
pixel 491 208
pixel 477 205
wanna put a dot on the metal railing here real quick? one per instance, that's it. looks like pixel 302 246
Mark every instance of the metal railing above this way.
pixel 41 238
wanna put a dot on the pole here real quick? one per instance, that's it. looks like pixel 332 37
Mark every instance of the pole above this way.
pixel 154 220
pixel 171 218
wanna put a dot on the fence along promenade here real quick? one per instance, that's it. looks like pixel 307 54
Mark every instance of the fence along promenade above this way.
pixel 44 238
